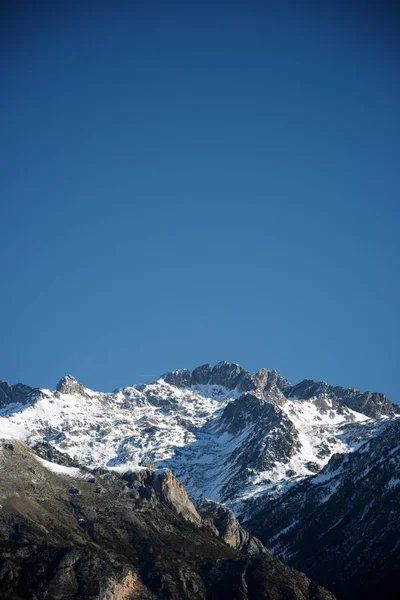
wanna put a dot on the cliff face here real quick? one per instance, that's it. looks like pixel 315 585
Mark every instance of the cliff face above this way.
pixel 73 534
pixel 224 524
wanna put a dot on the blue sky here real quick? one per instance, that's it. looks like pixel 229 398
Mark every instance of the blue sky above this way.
pixel 185 184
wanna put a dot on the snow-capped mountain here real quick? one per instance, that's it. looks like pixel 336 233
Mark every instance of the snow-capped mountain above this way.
pixel 228 435
pixel 311 469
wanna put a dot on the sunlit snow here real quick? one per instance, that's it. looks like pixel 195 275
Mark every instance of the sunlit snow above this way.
pixel 181 428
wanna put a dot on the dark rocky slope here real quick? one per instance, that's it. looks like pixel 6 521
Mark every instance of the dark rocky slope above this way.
pixel 342 527
pixel 18 393
pixel 107 537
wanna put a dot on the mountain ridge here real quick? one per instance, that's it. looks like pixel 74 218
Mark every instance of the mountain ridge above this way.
pixel 249 442
pixel 227 434
pixel 224 373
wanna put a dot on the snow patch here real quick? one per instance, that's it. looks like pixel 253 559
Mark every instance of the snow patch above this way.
pixel 61 469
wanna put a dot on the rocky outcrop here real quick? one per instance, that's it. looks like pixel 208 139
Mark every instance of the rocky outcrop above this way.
pixel 272 380
pixel 181 378
pixel 244 411
pixel 174 495
pixel 231 376
pixel 274 437
pixel 69 385
pixel 129 587
pixel 223 523
pixel 162 485
pixel 224 374
pixel 201 375
pixel 49 452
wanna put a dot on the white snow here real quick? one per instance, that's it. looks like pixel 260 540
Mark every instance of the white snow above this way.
pixel 181 429
pixel 12 431
pixel 393 482
pixel 61 469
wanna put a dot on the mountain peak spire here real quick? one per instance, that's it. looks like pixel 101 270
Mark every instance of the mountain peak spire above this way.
pixel 70 385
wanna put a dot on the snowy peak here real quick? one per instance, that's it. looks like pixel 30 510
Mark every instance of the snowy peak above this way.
pixel 227 434
pixel 224 374
pixel 69 385
pixel 231 377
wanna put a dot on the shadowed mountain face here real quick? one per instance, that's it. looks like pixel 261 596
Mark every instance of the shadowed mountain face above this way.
pixel 15 394
pixel 71 534
pixel 342 526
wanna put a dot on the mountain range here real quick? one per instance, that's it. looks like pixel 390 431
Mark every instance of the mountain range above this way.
pixel 311 469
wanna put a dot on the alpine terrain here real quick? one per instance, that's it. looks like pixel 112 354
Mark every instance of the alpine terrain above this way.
pixel 90 483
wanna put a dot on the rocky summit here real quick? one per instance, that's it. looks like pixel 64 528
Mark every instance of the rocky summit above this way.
pixel 287 460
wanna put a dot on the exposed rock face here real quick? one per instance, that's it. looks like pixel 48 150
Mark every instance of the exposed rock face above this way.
pixel 231 376
pixel 224 374
pixel 274 380
pixel 273 436
pixel 174 495
pixel 272 386
pixel 342 526
pixel 245 410
pixel 123 544
pixel 69 385
pixel 181 378
pixel 129 587
pixel 18 393
pixel 162 485
pixel 201 375
pixel 371 404
pixel 223 522
pixel 50 453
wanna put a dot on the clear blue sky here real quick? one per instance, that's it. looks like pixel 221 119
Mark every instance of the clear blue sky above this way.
pixel 186 182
